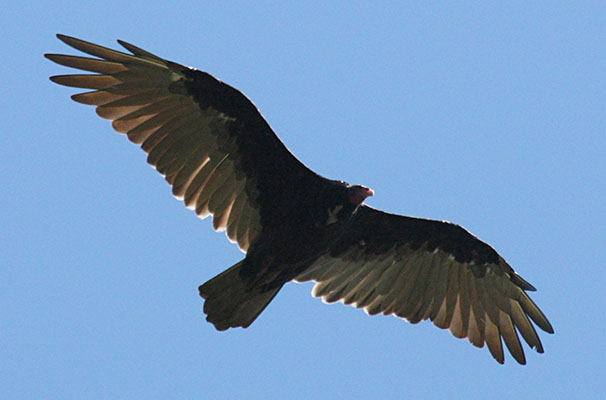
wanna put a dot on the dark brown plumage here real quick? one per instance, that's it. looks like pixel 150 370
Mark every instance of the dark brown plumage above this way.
pixel 222 158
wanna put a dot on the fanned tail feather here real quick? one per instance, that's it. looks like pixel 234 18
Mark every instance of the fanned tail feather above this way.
pixel 231 302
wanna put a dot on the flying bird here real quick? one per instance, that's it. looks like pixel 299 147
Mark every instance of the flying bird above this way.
pixel 222 158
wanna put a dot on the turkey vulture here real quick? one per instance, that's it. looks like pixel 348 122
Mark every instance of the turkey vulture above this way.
pixel 222 158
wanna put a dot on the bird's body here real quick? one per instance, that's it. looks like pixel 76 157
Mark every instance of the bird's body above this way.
pixel 222 158
pixel 280 254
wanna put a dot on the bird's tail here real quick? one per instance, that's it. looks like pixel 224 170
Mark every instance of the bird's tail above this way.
pixel 231 302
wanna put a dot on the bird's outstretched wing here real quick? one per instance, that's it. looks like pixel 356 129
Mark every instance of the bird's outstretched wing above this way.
pixel 422 269
pixel 208 140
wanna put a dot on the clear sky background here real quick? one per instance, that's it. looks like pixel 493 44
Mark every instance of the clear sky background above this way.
pixel 488 114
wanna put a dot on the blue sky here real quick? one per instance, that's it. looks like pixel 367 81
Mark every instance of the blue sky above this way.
pixel 488 114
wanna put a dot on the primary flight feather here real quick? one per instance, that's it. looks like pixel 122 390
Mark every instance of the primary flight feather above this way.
pixel 222 158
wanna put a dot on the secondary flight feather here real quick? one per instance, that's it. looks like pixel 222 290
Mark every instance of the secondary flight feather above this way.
pixel 222 158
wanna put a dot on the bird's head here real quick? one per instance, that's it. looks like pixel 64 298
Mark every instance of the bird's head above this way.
pixel 358 193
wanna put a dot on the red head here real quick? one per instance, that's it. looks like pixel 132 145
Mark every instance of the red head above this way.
pixel 359 193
